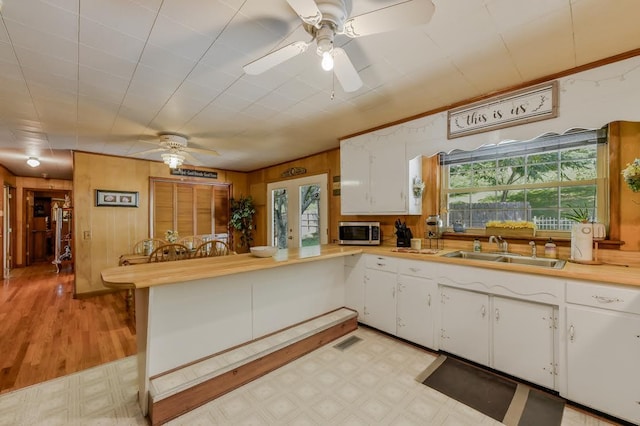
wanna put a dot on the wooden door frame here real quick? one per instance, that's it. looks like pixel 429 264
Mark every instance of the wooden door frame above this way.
pixel 27 215
pixel 8 229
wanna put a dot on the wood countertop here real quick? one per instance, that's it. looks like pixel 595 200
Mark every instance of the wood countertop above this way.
pixel 605 273
pixel 152 274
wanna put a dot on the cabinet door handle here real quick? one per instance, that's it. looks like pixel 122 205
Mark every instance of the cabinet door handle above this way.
pixel 393 293
pixel 604 299
pixel 572 333
pixel 497 314
pixel 429 299
pixel 483 311
pixel 414 269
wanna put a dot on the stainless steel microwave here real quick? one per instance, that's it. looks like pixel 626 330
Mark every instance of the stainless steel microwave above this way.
pixel 359 233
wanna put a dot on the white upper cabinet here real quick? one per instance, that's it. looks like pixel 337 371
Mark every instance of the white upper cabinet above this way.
pixel 375 178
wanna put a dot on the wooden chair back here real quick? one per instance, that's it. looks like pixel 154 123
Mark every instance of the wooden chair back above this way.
pixel 212 248
pixel 148 245
pixel 169 252
pixel 192 241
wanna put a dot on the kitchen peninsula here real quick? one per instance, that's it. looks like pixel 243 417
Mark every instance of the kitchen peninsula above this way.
pixel 188 310
pixel 236 299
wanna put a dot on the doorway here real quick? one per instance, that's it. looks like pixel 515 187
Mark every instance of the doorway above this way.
pixel 298 213
pixel 40 235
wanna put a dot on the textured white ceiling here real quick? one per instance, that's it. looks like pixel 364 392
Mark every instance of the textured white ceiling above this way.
pixel 107 76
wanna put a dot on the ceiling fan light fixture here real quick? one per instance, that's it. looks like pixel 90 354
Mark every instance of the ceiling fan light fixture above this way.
pixel 327 61
pixel 33 162
pixel 172 159
pixel 324 37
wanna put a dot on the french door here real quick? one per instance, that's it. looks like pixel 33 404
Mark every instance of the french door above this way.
pixel 298 213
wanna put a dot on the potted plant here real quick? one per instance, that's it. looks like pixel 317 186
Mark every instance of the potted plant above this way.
pixel 242 213
pixel 631 175
pixel 578 214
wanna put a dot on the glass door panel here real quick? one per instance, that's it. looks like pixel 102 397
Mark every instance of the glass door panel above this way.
pixel 306 201
pixel 309 215
pixel 280 224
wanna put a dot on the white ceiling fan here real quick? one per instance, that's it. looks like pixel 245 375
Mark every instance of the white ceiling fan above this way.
pixel 326 18
pixel 175 150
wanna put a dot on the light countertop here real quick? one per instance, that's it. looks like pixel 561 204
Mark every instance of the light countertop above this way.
pixel 152 274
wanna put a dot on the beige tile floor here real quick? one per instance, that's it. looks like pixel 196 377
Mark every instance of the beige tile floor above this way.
pixel 370 383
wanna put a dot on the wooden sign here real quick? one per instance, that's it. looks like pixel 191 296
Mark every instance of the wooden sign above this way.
pixel 293 171
pixel 194 173
pixel 524 106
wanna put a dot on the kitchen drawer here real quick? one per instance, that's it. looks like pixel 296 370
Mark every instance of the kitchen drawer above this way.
pixel 381 263
pixel 605 296
pixel 415 268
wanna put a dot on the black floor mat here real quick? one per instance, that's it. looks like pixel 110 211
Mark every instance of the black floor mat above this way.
pixel 542 409
pixel 486 392
pixel 493 394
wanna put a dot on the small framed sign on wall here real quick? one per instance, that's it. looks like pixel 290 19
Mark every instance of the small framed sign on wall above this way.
pixel 105 198
pixel 512 109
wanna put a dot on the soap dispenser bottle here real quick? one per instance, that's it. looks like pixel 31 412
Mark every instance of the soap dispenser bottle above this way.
pixel 550 249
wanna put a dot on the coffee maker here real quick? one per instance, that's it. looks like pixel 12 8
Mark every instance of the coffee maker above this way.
pixel 434 231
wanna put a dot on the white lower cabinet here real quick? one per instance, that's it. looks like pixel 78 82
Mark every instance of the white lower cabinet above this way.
pixel 523 339
pixel 398 297
pixel 380 300
pixel 603 349
pixel 510 335
pixel 464 324
pixel 415 311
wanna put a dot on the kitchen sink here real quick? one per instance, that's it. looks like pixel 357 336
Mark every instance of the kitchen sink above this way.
pixel 475 255
pixel 512 258
pixel 533 261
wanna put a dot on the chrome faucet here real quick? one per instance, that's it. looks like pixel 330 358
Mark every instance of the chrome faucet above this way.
pixel 493 239
pixel 502 244
pixel 533 248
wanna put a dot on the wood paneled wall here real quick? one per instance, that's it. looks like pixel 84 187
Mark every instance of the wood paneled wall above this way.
pixel 329 162
pixel 629 207
pixel 7 178
pixel 102 234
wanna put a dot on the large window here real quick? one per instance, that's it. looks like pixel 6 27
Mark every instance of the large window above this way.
pixel 539 180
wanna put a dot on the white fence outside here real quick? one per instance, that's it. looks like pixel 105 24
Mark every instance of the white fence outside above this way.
pixel 552 223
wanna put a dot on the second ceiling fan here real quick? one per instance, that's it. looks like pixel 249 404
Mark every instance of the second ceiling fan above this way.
pixel 324 19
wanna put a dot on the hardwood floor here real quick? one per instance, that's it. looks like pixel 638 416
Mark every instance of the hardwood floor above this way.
pixel 45 333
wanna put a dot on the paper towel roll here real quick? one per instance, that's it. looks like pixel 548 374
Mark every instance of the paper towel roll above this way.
pixel 582 241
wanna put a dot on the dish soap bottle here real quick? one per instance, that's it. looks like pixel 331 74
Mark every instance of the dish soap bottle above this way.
pixel 550 249
pixel 476 245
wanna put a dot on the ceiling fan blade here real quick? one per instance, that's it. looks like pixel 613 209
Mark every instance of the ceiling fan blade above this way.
pixel 345 71
pixel 149 151
pixel 202 151
pixel 191 159
pixel 307 10
pixel 276 57
pixel 398 16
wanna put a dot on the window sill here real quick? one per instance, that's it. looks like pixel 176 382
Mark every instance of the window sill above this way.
pixel 560 241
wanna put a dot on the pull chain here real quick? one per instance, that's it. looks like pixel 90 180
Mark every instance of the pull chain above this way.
pixel 333 84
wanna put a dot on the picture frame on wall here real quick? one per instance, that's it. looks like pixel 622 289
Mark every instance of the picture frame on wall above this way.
pixel 106 198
